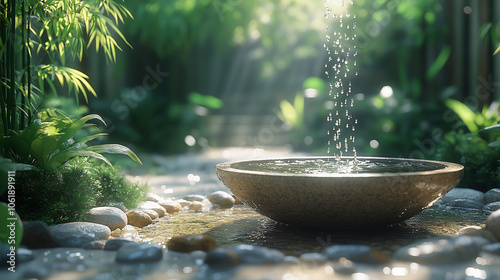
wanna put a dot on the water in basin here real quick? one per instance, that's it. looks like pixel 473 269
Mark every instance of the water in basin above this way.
pixel 336 166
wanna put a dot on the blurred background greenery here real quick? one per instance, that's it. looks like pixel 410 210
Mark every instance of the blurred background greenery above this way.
pixel 215 73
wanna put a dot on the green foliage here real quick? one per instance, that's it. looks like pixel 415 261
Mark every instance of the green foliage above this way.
pixel 207 101
pixel 49 142
pixel 492 135
pixel 475 121
pixel 67 194
pixel 490 32
pixel 482 167
pixel 157 125
pixel 55 32
pixel 184 25
pixel 115 188
pixel 293 115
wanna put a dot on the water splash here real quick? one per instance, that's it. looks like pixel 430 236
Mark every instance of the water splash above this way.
pixel 339 69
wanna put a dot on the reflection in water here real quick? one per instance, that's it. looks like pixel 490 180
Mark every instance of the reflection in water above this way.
pixel 242 224
pixel 293 240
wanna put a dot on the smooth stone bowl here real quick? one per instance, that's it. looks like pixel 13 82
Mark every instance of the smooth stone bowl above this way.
pixel 339 200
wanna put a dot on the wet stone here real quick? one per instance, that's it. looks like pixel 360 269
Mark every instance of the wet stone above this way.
pixel 255 254
pixel 116 243
pixel 191 242
pixel 194 197
pixel 24 255
pixel 153 197
pixel 222 199
pixel 77 234
pixel 484 233
pixel 183 202
pixel 152 213
pixel 243 254
pixel 291 260
pixel 313 259
pixel 491 207
pixel 36 273
pixel 37 235
pixel 222 258
pixel 442 250
pixel 4 251
pixel 95 245
pixel 469 229
pixel 493 224
pixel 492 195
pixel 355 253
pixel 119 205
pixel 127 232
pixel 345 266
pixel 170 206
pixel 464 203
pixel 138 218
pixel 463 193
pixel 111 217
pixel 139 253
pixel 152 206
pixel 196 206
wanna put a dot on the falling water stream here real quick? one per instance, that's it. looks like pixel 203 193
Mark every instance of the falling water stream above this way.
pixel 339 70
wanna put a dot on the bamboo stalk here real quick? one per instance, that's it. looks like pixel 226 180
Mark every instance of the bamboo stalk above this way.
pixel 3 88
pixel 24 59
pixel 28 66
pixel 11 99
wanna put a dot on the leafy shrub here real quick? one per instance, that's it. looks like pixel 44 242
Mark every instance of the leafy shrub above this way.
pixel 482 166
pixel 67 194
pixel 114 188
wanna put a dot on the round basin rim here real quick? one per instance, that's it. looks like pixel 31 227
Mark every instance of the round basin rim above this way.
pixel 448 168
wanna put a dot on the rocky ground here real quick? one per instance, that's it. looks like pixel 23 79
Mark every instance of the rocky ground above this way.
pixel 191 228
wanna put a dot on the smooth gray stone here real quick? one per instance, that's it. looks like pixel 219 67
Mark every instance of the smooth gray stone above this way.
pixel 139 253
pixel 222 258
pixel 255 254
pixel 463 193
pixel 463 203
pixel 243 253
pixel 442 250
pixel 491 207
pixel 78 234
pixel 117 243
pixel 37 235
pixel 355 253
pixel 492 195
pixel 109 216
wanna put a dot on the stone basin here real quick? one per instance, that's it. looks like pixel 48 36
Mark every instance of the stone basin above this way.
pixel 345 199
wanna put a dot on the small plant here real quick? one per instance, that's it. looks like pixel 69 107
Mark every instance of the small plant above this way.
pixel 50 141
pixel 475 121
pixel 67 194
pixel 478 150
